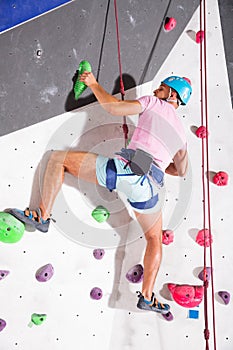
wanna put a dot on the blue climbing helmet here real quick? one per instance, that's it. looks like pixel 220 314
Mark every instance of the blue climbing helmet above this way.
pixel 181 85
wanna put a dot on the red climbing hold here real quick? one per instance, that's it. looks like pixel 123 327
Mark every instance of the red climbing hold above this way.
pixel 201 132
pixel 200 36
pixel 167 237
pixel 186 295
pixel 169 24
pixel 220 179
pixel 204 238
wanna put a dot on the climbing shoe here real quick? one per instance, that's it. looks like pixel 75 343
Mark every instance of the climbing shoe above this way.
pixel 30 217
pixel 152 305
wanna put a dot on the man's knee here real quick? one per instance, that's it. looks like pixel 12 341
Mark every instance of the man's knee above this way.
pixel 57 157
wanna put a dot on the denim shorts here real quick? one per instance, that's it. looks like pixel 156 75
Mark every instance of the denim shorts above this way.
pixel 136 188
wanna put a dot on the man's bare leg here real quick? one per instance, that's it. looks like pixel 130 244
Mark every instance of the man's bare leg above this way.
pixel 152 228
pixel 78 164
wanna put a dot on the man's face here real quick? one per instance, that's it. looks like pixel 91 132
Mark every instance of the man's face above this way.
pixel 162 92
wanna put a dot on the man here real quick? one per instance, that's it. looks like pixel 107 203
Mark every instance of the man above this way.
pixel 158 145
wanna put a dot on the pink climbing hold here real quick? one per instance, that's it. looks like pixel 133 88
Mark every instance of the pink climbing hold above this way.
pixel 225 296
pixel 135 274
pixel 200 36
pixel 221 178
pixel 98 253
pixel 170 23
pixel 205 275
pixel 204 238
pixel 2 324
pixel 186 295
pixel 3 274
pixel 201 132
pixel 167 237
pixel 44 273
pixel 96 293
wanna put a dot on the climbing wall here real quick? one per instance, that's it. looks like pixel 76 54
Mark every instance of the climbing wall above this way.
pixel 86 301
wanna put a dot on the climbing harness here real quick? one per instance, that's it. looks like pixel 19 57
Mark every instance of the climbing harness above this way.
pixel 205 170
pixel 154 174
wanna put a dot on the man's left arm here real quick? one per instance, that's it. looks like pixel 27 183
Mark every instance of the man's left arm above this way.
pixel 180 164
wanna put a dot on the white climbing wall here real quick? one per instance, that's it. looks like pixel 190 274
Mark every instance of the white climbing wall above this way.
pixel 74 320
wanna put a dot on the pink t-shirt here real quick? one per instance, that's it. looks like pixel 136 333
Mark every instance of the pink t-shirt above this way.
pixel 159 131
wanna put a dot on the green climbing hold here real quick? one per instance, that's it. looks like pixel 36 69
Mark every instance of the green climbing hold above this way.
pixel 38 319
pixel 11 229
pixel 100 214
pixel 79 86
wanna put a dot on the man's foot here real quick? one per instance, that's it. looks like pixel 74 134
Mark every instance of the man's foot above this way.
pixel 30 217
pixel 152 305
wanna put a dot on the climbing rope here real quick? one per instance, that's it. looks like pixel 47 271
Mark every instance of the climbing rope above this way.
pixel 205 168
pixel 122 89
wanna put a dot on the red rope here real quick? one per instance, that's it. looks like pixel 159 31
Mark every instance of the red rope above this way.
pixel 205 162
pixel 122 89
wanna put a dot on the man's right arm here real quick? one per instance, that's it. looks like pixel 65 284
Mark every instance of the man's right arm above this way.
pixel 110 103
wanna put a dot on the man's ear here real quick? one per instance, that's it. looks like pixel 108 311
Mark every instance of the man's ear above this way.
pixel 174 95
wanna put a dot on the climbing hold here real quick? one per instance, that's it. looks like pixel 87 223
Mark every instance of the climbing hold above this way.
pixel 100 214
pixel 38 319
pixel 220 179
pixel 96 293
pixel 98 253
pixel 44 273
pixel 204 238
pixel 193 314
pixel 168 316
pixel 2 324
pixel 135 274
pixel 186 295
pixel 167 237
pixel 169 24
pixel 11 229
pixel 79 86
pixel 3 274
pixel 201 132
pixel 207 274
pixel 225 296
pixel 200 36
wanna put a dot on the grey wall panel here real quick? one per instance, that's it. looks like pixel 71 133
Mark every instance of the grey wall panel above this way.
pixel 39 58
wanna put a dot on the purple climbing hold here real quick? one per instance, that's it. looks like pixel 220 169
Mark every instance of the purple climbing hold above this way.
pixel 208 274
pixel 3 274
pixel 96 293
pixel 168 316
pixel 225 296
pixel 2 324
pixel 135 274
pixel 98 253
pixel 44 273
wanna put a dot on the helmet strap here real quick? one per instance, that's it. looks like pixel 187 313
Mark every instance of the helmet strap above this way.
pixel 169 97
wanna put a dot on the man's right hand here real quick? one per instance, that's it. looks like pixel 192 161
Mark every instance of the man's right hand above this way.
pixel 88 78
